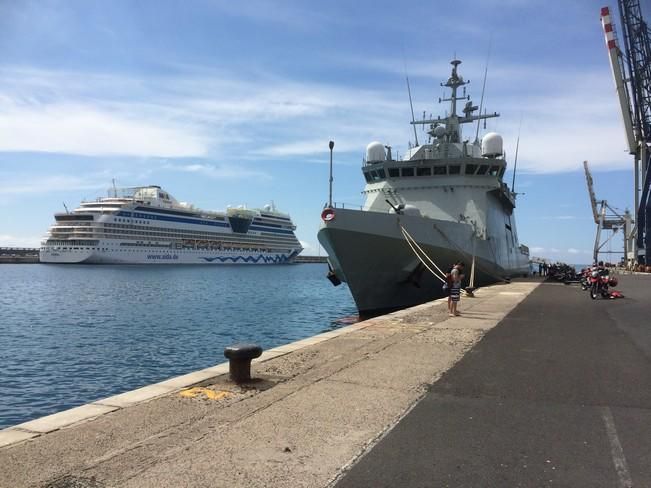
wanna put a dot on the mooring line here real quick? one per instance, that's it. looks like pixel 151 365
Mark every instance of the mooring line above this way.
pixel 410 241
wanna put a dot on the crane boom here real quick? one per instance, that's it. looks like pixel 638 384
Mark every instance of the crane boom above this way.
pixel 593 199
pixel 619 75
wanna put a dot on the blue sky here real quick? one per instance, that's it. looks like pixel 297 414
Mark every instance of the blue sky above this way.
pixel 229 103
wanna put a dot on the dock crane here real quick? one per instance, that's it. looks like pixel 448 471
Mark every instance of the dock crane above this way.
pixel 613 221
pixel 632 73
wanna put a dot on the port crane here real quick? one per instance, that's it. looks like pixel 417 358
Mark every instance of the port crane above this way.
pixel 608 220
pixel 632 73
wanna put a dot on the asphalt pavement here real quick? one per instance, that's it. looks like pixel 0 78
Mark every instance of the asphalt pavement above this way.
pixel 557 394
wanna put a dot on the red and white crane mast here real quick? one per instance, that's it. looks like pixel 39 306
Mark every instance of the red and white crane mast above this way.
pixel 632 73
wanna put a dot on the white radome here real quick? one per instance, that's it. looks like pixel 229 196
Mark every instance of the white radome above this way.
pixel 492 145
pixel 375 152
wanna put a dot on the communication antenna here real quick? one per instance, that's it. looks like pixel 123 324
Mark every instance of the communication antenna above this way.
pixel 515 163
pixel 411 105
pixel 64 206
pixel 483 87
pixel 115 190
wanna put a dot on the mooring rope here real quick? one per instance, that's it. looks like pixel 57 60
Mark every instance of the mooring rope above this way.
pixel 442 278
pixel 411 240
pixel 407 238
pixel 500 278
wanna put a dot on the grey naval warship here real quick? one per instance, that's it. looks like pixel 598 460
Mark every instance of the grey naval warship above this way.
pixel 444 201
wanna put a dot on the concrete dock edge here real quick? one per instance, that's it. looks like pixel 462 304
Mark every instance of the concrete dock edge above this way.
pixel 376 375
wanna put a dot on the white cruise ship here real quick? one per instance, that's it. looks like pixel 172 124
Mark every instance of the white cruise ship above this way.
pixel 146 225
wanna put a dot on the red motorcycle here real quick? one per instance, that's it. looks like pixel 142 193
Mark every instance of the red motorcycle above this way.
pixel 599 283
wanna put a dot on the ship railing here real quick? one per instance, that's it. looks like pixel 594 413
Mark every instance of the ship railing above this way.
pixel 344 205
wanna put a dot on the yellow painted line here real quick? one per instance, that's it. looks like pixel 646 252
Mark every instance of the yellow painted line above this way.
pixel 207 392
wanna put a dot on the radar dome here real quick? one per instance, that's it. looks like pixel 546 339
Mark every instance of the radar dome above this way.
pixel 375 152
pixel 492 145
pixel 439 131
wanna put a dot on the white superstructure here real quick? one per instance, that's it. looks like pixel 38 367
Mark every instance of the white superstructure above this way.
pixel 146 225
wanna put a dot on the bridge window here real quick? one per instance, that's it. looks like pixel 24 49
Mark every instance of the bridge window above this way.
pixel 440 170
pixel 470 169
pixel 502 171
pixel 482 169
pixel 424 171
pixel 394 172
pixel 494 170
pixel 381 174
pixel 367 176
pixel 454 169
pixel 407 171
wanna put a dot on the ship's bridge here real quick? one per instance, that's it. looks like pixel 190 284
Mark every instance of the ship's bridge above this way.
pixel 375 172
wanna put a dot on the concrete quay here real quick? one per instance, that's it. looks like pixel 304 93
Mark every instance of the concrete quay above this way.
pixel 558 395
pixel 316 407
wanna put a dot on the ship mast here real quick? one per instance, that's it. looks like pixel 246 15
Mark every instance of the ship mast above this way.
pixel 453 121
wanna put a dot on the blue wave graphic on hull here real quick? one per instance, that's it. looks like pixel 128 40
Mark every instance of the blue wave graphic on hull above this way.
pixel 279 258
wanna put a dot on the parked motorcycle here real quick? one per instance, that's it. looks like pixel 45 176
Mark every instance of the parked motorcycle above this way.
pixel 599 283
pixel 585 278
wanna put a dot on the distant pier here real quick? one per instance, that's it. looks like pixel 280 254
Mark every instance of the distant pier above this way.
pixel 311 259
pixel 27 255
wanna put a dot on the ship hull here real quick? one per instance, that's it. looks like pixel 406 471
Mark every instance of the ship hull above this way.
pixel 162 256
pixel 369 252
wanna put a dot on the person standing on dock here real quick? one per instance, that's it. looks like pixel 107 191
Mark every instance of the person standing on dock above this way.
pixel 455 288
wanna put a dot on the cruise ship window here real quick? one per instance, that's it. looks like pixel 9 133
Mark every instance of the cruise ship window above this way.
pixel 482 169
pixel 470 169
pixel 394 172
pixel 455 169
pixel 407 171
pixel 440 170
pixel 427 171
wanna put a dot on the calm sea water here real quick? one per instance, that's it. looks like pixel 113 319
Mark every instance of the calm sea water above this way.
pixel 73 334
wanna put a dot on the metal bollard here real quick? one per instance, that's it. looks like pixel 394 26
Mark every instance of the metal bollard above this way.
pixel 239 357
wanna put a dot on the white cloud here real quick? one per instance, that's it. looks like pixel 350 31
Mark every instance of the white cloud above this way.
pixel 49 184
pixel 7 240
pixel 221 172
pixel 306 147
pixel 258 115
pixel 87 130
pixel 560 217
